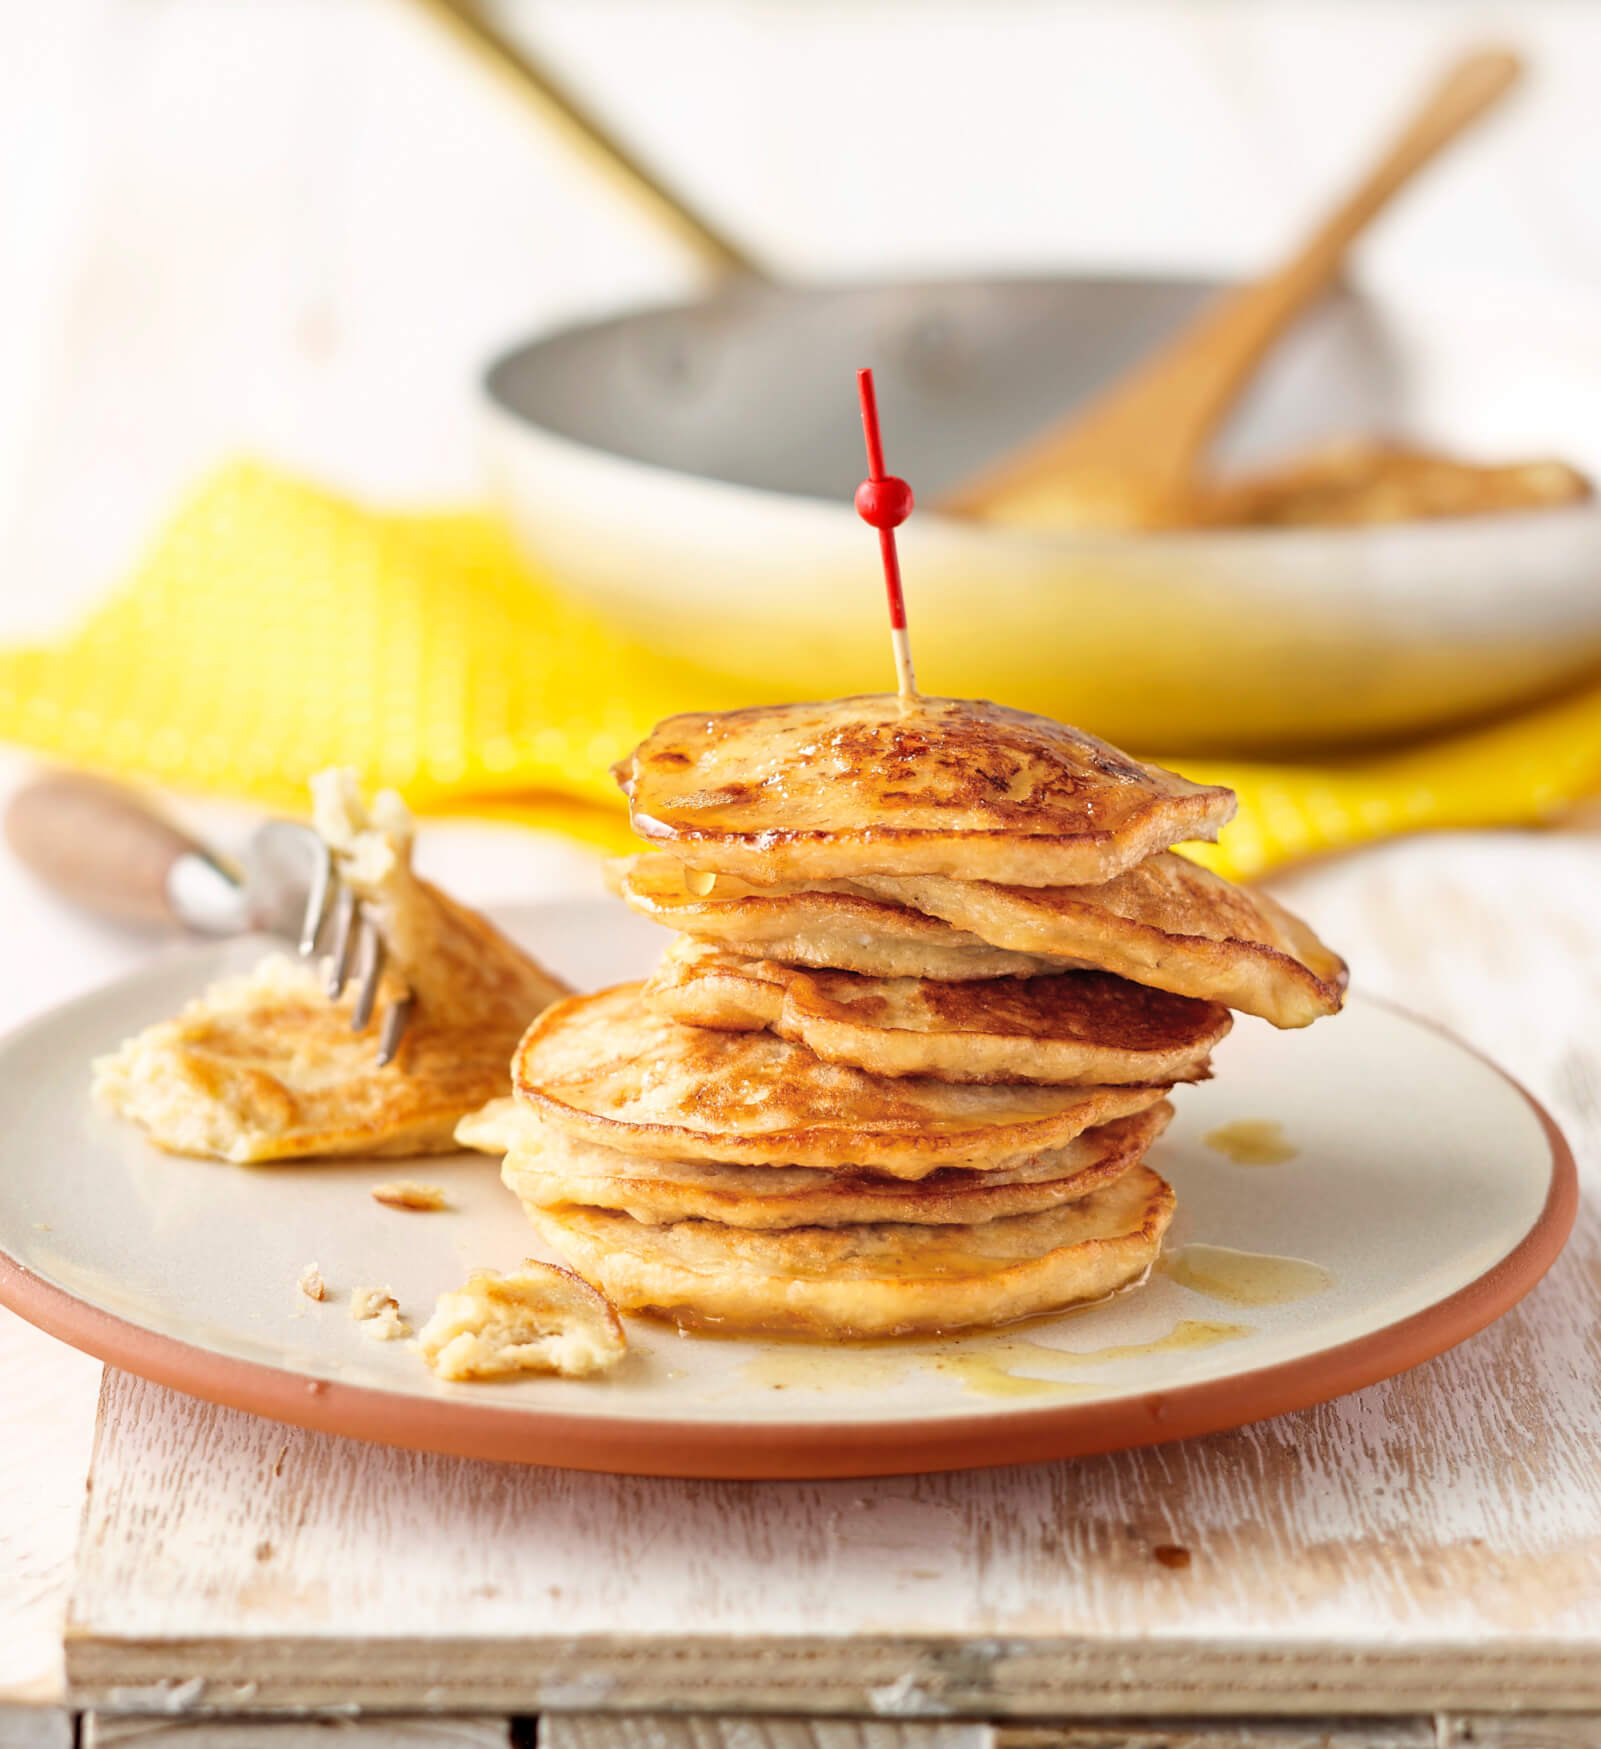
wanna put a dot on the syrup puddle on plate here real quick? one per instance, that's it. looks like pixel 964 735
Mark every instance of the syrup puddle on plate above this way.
pixel 995 1366
pixel 983 1372
pixel 1245 1278
pixel 1252 1142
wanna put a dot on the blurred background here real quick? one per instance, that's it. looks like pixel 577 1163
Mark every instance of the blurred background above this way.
pixel 300 227
pixel 258 514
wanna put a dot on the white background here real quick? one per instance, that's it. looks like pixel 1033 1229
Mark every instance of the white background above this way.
pixel 299 226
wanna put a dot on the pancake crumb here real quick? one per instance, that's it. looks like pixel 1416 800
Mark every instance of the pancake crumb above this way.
pixel 536 1319
pixel 311 1283
pixel 406 1193
pixel 378 1312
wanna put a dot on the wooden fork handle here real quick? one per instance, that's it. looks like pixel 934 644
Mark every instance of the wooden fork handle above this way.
pixel 99 846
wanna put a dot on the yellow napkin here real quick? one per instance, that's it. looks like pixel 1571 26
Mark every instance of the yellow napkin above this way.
pixel 275 628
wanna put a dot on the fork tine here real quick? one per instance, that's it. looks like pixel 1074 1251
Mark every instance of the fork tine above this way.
pixel 395 1018
pixel 346 907
pixel 316 904
pixel 369 969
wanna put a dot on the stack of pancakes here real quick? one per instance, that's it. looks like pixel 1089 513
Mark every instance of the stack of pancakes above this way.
pixel 937 970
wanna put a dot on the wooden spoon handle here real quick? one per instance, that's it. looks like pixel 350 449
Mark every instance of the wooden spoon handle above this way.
pixel 1473 86
pixel 99 846
pixel 1139 440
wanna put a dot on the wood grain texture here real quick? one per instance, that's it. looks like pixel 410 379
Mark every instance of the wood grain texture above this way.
pixel 109 1731
pixel 31 1727
pixel 1420 1733
pixel 47 1395
pixel 1548 1732
pixel 667 1731
pixel 1431 1543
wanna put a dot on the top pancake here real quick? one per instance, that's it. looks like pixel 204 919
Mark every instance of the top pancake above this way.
pixel 940 786
pixel 607 1069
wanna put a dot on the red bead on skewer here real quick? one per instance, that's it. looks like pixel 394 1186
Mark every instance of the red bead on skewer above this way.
pixel 885 503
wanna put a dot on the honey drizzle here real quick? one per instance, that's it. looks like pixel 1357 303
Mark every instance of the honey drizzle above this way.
pixel 987 1371
pixel 1245 1278
pixel 1252 1142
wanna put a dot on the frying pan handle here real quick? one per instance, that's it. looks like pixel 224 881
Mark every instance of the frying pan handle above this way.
pixel 587 134
pixel 98 845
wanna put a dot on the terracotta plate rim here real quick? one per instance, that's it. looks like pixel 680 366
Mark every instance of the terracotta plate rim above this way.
pixel 744 1451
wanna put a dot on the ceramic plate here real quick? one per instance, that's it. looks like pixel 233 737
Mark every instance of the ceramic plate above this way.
pixel 1352 1199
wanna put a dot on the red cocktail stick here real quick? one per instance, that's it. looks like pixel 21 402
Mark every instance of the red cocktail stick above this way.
pixel 885 502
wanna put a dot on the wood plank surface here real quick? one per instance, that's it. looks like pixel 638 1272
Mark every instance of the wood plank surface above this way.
pixel 1431 1543
pixel 112 1731
pixel 35 1727
pixel 668 1731
pixel 44 1457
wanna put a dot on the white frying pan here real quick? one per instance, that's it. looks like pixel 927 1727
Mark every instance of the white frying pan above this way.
pixel 689 472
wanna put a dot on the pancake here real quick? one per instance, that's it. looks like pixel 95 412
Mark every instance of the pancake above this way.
pixel 606 1069
pixel 867 785
pixel 1083 1028
pixel 816 924
pixel 265 1067
pixel 885 1279
pixel 546 1168
pixel 536 1319
pixel 1169 923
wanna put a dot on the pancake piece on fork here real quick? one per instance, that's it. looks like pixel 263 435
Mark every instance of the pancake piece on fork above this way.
pixel 1072 1028
pixel 880 785
pixel 266 1067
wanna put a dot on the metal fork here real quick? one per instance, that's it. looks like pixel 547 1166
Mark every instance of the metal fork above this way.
pixel 103 847
pixel 334 909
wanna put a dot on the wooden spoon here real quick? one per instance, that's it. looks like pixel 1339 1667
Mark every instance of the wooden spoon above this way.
pixel 1126 460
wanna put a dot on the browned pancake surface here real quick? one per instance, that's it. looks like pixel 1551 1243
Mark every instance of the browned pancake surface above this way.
pixel 1169 923
pixel 606 1068
pixel 547 1168
pixel 1084 1027
pixel 944 786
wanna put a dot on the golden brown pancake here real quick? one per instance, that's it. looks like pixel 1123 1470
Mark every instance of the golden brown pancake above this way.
pixel 546 1168
pixel 265 1067
pixel 1169 923
pixel 815 924
pixel 867 785
pixel 606 1069
pixel 1085 1028
pixel 885 1279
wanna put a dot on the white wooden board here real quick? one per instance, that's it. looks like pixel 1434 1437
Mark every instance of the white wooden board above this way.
pixel 1433 1542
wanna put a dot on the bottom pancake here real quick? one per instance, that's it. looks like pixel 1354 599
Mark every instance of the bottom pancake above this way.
pixel 884 1279
pixel 551 1170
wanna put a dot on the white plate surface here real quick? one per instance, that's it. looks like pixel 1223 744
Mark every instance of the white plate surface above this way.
pixel 1417 1168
